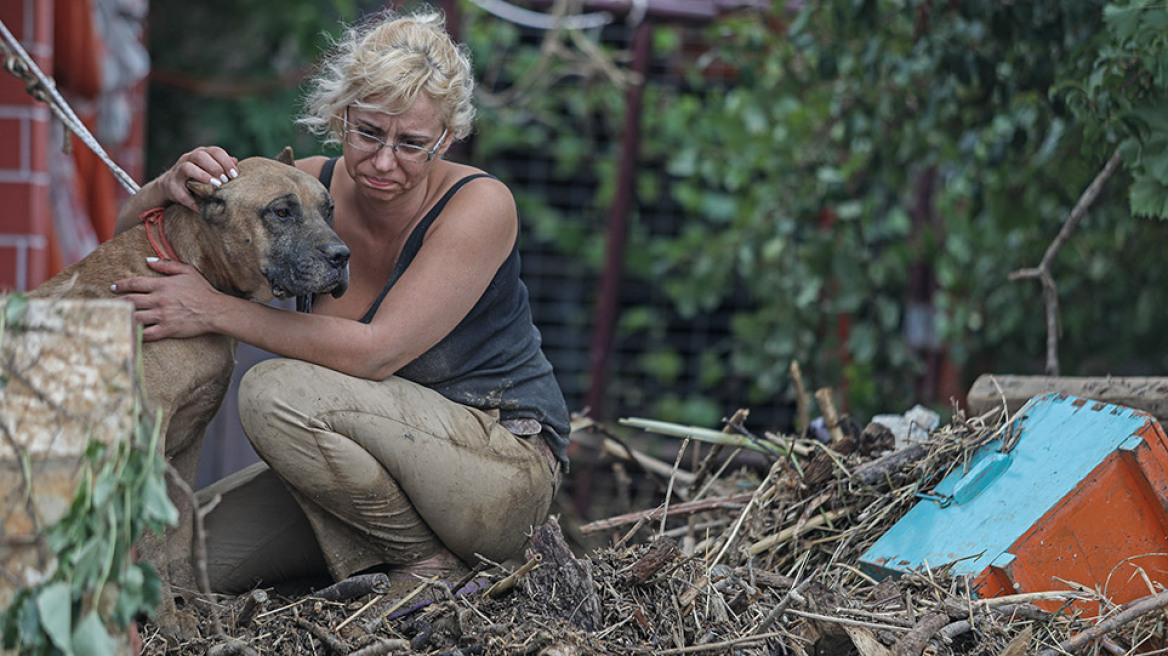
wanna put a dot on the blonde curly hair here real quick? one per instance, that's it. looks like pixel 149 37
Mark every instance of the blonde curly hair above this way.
pixel 383 63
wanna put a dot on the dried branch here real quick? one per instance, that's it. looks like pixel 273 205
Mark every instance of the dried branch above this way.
pixel 1042 271
pixel 781 607
pixel 331 641
pixel 802 412
pixel 763 487
pixel 791 531
pixel 830 415
pixel 715 451
pixel 914 642
pixel 669 490
pixel 506 583
pixel 1132 612
pixel 678 510
pixel 877 470
pixel 200 543
pixel 355 587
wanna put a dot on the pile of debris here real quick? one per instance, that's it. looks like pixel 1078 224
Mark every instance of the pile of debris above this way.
pixel 750 561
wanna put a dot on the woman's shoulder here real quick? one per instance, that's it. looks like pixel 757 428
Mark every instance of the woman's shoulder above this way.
pixel 452 172
pixel 472 196
pixel 312 165
pixel 474 180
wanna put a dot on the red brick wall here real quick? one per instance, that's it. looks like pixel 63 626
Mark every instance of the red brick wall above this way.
pixel 26 257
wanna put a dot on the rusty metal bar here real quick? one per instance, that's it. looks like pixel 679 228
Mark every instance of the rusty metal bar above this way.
pixel 618 225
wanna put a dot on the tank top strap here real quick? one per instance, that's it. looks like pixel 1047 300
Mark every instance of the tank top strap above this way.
pixel 326 172
pixel 412 245
pixel 419 231
pixel 414 241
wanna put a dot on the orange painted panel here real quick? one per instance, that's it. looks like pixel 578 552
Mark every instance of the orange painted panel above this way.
pixel 1109 534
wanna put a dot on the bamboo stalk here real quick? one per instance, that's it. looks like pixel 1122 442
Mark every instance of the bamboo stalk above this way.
pixel 508 582
pixel 790 532
pixel 677 510
pixel 649 463
pixel 711 436
pixel 830 415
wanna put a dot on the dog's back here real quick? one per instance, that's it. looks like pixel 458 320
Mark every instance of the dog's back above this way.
pixel 231 244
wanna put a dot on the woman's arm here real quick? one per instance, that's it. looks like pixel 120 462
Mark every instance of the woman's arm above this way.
pixel 461 254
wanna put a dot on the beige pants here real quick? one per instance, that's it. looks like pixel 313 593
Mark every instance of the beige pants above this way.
pixel 361 473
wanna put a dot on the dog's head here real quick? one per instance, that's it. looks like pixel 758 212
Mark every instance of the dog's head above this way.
pixel 274 228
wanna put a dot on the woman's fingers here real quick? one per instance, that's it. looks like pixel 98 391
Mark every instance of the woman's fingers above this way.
pixel 207 164
pixel 210 164
pixel 172 305
pixel 169 267
pixel 132 286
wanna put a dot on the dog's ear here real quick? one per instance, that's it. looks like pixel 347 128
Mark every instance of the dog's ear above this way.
pixel 286 156
pixel 204 194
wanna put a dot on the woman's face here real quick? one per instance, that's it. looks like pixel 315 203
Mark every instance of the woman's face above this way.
pixel 377 169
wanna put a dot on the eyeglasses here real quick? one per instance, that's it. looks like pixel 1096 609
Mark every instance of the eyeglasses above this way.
pixel 405 152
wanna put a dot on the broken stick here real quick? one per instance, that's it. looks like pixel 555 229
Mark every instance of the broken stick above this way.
pixel 830 416
pixel 676 510
pixel 1132 612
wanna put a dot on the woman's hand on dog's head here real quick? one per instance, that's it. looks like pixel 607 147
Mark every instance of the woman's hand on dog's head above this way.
pixel 208 164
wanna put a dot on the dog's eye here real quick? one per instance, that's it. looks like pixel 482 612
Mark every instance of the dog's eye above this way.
pixel 283 213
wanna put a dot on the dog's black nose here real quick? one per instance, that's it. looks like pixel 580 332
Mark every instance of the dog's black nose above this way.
pixel 337 254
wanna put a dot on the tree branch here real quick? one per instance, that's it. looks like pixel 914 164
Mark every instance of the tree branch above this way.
pixel 1042 271
pixel 1131 612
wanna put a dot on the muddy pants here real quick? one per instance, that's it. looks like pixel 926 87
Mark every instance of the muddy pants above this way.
pixel 360 473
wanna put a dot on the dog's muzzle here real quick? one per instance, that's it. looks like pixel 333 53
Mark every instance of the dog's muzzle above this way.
pixel 322 270
pixel 338 256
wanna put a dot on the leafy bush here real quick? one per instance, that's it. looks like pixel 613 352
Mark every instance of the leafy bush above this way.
pixel 868 173
pixel 94 590
pixel 858 178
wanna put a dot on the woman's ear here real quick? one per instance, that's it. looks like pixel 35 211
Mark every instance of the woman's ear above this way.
pixel 447 142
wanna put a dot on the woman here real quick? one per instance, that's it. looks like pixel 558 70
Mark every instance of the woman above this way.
pixel 414 422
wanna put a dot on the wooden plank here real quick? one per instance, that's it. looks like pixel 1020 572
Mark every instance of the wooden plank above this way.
pixel 1147 393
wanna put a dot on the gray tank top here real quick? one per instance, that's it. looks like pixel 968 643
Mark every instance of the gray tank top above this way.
pixel 492 360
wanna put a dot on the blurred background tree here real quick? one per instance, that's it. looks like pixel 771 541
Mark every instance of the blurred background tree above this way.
pixel 842 183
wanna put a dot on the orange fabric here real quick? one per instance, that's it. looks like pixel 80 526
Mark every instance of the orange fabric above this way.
pixel 97 188
pixel 56 261
pixel 76 48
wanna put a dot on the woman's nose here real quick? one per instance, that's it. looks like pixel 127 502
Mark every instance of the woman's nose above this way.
pixel 385 158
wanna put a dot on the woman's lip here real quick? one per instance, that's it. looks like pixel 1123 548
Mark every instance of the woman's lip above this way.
pixel 380 183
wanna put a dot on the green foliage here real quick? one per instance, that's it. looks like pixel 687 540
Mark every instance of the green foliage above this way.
pixel 15 307
pixel 817 176
pixel 858 177
pixel 869 173
pixel 94 590
pixel 229 74
pixel 1126 95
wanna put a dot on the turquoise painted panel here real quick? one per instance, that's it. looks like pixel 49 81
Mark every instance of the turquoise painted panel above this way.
pixel 999 496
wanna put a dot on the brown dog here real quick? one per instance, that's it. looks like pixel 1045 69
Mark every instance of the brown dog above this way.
pixel 265 234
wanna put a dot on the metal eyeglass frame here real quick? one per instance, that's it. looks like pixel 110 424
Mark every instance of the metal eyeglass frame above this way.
pixel 430 152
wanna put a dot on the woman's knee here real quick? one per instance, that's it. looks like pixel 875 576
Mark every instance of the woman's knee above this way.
pixel 268 397
pixel 261 376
